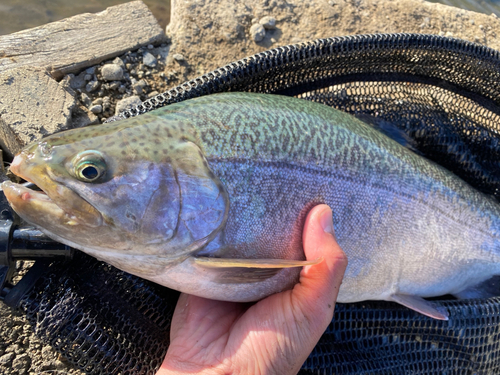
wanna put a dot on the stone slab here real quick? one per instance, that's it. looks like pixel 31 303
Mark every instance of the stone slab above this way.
pixel 32 104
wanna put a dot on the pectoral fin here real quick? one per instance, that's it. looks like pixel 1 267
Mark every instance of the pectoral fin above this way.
pixel 234 271
pixel 421 305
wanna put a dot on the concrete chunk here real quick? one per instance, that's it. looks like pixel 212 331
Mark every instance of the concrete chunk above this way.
pixel 32 104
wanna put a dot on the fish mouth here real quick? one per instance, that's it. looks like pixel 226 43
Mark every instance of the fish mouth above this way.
pixel 27 202
pixel 54 204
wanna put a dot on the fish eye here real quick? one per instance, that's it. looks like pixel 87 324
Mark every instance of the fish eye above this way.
pixel 89 166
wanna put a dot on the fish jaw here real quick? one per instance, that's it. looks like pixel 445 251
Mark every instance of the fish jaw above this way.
pixel 37 207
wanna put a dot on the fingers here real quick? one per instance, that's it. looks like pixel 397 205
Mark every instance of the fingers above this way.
pixel 319 284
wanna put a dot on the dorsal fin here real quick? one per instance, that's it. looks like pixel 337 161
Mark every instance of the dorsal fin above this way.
pixel 390 130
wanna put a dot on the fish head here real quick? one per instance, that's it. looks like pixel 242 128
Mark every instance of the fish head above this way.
pixel 120 195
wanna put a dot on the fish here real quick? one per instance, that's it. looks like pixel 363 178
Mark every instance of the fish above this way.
pixel 209 196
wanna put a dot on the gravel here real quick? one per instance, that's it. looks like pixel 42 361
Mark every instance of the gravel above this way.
pixel 90 70
pixel 178 57
pixel 6 359
pixel 127 103
pixel 112 72
pixel 139 87
pixel 92 86
pixel 22 361
pixel 96 109
pixel 149 60
pixel 257 32
pixel 85 99
pixel 268 22
pixel 77 82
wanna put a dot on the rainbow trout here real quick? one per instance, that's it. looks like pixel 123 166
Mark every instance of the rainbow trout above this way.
pixel 209 197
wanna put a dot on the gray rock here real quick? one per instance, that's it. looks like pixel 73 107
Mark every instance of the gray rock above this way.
pixel 21 362
pixel 87 77
pixel 150 46
pixel 137 90
pixel 178 57
pixel 127 103
pixel 119 62
pixel 257 32
pixel 77 82
pixel 139 87
pixel 268 22
pixel 114 85
pixel 96 108
pixel 85 99
pixel 7 358
pixel 149 60
pixel 90 70
pixel 112 72
pixel 92 86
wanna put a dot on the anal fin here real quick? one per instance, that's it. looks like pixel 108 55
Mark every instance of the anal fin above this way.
pixel 421 305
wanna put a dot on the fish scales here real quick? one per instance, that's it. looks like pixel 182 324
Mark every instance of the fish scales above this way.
pixel 387 201
pixel 234 175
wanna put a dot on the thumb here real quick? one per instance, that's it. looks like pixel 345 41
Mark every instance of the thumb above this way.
pixel 319 284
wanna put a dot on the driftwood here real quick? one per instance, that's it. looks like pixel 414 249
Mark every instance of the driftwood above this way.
pixel 84 40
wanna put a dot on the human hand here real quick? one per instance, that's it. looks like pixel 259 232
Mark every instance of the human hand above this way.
pixel 272 336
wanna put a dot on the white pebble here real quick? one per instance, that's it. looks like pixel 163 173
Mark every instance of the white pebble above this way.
pixel 149 60
pixel 268 22
pixel 178 57
pixel 95 109
pixel 257 32
pixel 92 86
pixel 130 102
pixel 112 72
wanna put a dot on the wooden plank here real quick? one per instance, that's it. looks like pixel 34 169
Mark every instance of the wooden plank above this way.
pixel 84 40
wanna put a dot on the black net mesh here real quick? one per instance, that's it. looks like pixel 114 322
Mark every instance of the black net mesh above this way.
pixel 443 93
pixel 101 319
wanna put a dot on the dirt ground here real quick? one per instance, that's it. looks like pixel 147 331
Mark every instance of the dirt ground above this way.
pixel 205 35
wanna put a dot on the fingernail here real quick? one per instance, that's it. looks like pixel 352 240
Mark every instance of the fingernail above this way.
pixel 326 221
